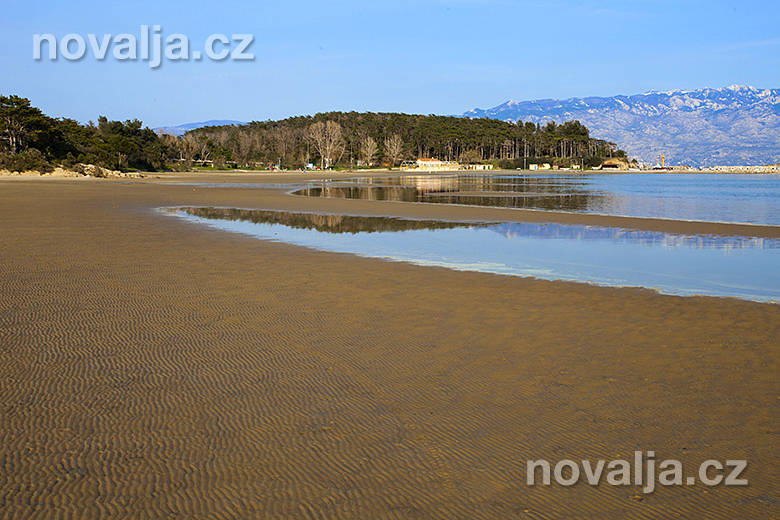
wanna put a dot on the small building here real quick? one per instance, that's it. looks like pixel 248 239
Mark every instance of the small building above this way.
pixel 478 167
pixel 543 166
pixel 614 164
pixel 430 165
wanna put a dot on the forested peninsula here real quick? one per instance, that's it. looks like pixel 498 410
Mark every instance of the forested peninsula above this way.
pixel 31 140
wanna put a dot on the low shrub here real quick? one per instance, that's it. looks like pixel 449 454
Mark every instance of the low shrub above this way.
pixel 28 160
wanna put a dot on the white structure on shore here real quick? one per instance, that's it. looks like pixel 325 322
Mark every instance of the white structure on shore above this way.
pixel 430 165
pixel 436 165
pixel 769 168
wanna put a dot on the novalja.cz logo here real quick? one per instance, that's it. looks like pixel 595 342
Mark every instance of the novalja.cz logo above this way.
pixel 644 472
pixel 151 45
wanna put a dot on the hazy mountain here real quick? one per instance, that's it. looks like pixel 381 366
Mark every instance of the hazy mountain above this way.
pixel 732 125
pixel 186 127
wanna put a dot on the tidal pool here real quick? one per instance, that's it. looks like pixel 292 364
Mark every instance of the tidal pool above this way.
pixel 707 197
pixel 740 267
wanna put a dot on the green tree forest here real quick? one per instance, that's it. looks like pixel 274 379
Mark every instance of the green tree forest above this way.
pixel 367 138
pixel 29 139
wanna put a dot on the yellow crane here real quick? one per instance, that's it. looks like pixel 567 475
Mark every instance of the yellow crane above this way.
pixel 663 160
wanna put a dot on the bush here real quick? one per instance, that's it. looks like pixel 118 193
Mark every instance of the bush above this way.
pixel 28 160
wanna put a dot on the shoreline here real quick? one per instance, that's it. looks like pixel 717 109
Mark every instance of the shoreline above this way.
pixel 282 199
pixel 460 212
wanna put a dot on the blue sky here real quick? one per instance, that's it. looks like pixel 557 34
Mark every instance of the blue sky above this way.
pixel 423 56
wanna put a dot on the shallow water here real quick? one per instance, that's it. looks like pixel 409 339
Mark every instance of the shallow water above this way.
pixel 741 198
pixel 739 267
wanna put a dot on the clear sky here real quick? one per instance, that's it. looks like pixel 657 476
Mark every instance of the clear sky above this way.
pixel 416 56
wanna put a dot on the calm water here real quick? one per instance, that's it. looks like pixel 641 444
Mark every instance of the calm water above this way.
pixel 707 197
pixel 741 267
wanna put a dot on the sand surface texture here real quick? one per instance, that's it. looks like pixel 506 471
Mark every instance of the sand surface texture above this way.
pixel 152 368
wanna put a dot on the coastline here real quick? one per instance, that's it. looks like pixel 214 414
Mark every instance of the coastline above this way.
pixel 274 198
pixel 239 377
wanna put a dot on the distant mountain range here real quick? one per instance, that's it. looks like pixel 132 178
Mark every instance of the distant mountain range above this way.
pixel 704 127
pixel 186 127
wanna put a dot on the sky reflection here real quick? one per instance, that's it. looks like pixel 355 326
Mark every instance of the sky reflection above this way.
pixel 742 267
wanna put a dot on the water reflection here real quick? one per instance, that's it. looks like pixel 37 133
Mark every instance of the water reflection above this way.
pixel 743 267
pixel 719 198
pixel 472 190
pixel 322 222
pixel 329 223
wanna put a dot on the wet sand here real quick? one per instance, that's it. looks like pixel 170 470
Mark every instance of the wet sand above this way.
pixel 152 368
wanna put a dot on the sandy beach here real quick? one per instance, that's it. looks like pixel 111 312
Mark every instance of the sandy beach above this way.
pixel 153 368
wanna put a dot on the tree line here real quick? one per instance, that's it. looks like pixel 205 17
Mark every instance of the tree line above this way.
pixel 352 139
pixel 29 138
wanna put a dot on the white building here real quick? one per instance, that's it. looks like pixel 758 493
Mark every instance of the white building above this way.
pixel 430 165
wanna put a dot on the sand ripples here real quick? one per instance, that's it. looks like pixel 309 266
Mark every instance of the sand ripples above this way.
pixel 150 369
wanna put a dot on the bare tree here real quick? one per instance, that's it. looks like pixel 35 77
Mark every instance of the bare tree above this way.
pixel 284 139
pixel 367 150
pixel 173 145
pixel 196 146
pixel 226 142
pixel 189 148
pixel 302 146
pixel 245 145
pixel 394 149
pixel 327 140
pixel 222 136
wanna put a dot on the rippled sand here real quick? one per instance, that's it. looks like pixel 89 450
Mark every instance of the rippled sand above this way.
pixel 150 368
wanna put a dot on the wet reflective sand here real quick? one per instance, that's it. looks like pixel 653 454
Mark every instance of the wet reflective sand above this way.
pixel 741 267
